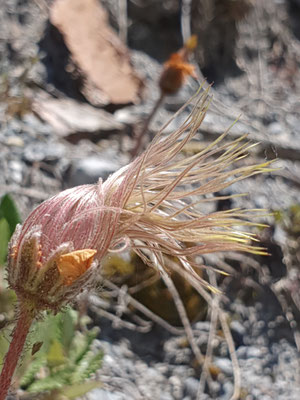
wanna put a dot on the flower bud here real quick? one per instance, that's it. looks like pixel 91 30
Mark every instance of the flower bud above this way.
pixel 177 68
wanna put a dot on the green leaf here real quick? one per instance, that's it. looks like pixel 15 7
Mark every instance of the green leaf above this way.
pixel 79 389
pixel 4 239
pixel 55 355
pixel 67 328
pixel 65 358
pixel 81 344
pixel 94 364
pixel 78 348
pixel 31 370
pixel 47 330
pixel 88 365
pixel 55 381
pixel 9 211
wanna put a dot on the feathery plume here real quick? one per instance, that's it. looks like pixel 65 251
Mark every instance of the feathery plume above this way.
pixel 157 214
pixel 146 205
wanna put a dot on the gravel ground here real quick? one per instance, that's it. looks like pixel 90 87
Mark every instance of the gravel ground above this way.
pixel 161 366
pixel 36 162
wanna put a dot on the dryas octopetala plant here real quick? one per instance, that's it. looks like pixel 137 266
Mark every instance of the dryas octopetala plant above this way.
pixel 146 205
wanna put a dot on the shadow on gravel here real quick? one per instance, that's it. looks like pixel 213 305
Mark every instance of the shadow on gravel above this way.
pixel 148 346
pixel 57 60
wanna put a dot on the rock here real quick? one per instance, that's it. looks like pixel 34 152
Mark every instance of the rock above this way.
pixel 90 169
pixel 16 171
pixel 254 352
pixel 225 365
pixel 242 352
pixel 166 396
pixel 202 326
pixel 102 58
pixel 275 128
pixel 15 141
pixel 74 120
pixel 227 391
pixel 103 394
pixel 191 385
pixel 238 331
pixel 294 123
pixel 176 387
pixel 38 151
pixel 215 387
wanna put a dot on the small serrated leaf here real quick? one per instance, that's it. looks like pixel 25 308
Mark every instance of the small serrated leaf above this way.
pixel 67 327
pixel 81 367
pixel 47 330
pixel 65 358
pixel 81 344
pixel 93 365
pixel 49 383
pixel 32 369
pixel 89 364
pixel 56 380
pixel 78 347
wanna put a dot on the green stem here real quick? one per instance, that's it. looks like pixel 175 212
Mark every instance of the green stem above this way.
pixel 15 349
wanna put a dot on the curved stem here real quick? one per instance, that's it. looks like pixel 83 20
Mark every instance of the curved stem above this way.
pixel 15 349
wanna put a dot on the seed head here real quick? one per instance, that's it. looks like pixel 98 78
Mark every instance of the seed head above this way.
pixel 162 193
pixel 152 205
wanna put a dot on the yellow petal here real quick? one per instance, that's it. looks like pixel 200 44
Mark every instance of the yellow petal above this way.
pixel 72 265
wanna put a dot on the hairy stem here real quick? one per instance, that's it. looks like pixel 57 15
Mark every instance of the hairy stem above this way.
pixel 15 349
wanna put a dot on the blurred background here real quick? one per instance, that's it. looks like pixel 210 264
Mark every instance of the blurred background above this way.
pixel 79 81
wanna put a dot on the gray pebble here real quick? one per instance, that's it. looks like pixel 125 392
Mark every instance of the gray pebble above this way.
pixel 102 394
pixel 275 128
pixel 225 365
pixel 176 387
pixel 16 169
pixel 241 352
pixel 166 396
pixel 294 122
pixel 89 170
pixel 40 151
pixel 191 386
pixel 227 390
pixel 254 352
pixel 238 327
pixel 238 331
